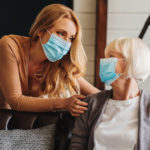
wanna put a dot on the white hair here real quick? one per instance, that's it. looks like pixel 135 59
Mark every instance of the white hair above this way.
pixel 136 54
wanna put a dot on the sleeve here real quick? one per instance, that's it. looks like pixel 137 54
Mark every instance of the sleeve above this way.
pixel 80 133
pixel 10 82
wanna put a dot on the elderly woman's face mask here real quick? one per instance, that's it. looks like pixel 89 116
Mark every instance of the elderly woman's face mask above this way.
pixel 108 70
pixel 111 67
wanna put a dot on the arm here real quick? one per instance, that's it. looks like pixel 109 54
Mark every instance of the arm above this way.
pixel 80 133
pixel 11 87
pixel 10 81
pixel 86 87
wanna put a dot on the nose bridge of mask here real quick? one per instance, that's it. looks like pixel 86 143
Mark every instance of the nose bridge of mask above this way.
pixel 59 41
pixel 53 49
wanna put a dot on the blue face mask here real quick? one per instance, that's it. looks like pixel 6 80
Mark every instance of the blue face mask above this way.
pixel 107 70
pixel 55 48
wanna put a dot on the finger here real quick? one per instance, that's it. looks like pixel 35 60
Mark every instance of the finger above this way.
pixel 80 96
pixel 81 103
pixel 78 107
pixel 77 111
pixel 75 115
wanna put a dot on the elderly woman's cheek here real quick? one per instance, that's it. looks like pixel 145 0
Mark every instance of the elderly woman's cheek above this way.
pixel 120 66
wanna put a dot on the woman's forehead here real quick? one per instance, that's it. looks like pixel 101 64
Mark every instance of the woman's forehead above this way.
pixel 67 25
pixel 112 53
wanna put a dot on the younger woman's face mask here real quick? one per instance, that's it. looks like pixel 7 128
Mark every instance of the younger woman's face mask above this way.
pixel 55 48
pixel 108 70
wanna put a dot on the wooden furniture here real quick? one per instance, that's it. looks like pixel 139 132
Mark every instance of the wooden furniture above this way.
pixel 101 31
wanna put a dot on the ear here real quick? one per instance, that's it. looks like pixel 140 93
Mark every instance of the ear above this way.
pixel 41 33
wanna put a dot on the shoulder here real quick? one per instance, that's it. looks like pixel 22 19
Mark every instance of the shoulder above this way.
pixel 8 41
pixel 145 100
pixel 11 39
pixel 145 96
pixel 7 46
pixel 95 106
pixel 5 40
pixel 98 99
pixel 100 95
pixel 11 44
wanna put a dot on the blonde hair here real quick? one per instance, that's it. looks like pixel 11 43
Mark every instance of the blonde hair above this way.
pixel 61 74
pixel 136 54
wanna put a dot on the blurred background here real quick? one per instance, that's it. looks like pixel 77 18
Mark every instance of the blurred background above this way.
pixel 102 21
pixel 17 16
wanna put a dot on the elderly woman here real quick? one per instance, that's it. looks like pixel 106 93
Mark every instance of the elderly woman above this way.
pixel 118 119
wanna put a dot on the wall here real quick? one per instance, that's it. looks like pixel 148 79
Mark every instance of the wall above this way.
pixel 126 18
pixel 86 12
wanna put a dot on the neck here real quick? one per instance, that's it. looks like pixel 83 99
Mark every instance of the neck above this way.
pixel 37 55
pixel 124 89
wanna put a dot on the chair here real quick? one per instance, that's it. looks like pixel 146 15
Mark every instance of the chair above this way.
pixel 11 119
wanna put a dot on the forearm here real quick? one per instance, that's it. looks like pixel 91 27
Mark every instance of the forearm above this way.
pixel 59 104
pixel 86 87
pixel 35 104
pixel 38 104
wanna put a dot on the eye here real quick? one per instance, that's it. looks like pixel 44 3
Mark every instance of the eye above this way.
pixel 111 56
pixel 71 39
pixel 61 33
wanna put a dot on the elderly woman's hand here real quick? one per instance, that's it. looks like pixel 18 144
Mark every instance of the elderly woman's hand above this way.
pixel 75 106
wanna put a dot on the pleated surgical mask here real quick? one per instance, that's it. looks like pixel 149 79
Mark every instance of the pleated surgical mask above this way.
pixel 55 48
pixel 108 70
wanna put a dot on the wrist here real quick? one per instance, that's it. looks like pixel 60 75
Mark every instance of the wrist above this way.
pixel 59 104
pixel 64 104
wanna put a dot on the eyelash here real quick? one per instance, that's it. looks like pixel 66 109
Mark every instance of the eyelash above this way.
pixel 62 34
pixel 111 56
pixel 71 39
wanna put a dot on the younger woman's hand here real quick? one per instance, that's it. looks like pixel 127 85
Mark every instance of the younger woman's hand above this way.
pixel 75 106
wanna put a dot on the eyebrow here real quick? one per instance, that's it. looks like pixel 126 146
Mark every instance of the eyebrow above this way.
pixel 116 53
pixel 66 32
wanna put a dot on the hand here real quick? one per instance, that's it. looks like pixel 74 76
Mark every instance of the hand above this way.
pixel 75 106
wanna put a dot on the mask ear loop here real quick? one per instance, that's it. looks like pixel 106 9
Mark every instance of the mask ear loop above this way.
pixel 48 32
pixel 41 42
pixel 41 39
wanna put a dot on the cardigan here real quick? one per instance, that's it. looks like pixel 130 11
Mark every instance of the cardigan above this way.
pixel 14 88
pixel 83 131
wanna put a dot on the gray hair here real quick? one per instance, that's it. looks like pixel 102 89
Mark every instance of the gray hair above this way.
pixel 136 54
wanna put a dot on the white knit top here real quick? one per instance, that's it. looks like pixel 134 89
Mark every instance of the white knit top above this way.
pixel 119 127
